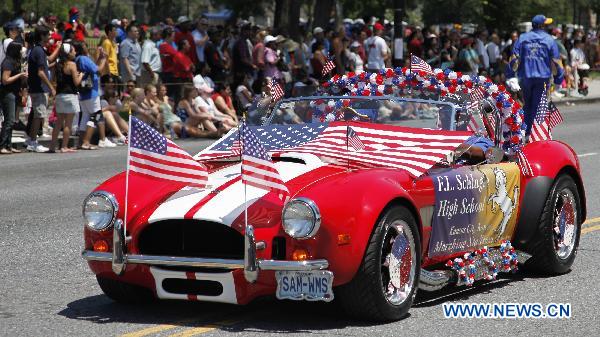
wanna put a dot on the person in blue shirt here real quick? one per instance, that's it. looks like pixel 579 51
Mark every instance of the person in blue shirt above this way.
pixel 535 59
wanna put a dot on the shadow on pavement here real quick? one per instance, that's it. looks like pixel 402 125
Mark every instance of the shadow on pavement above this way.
pixel 263 314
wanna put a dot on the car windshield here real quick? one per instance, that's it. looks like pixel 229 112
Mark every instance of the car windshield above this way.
pixel 410 112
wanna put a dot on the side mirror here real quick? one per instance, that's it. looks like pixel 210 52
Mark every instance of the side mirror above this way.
pixel 494 155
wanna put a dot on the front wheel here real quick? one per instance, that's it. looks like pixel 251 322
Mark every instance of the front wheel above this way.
pixel 385 284
pixel 555 245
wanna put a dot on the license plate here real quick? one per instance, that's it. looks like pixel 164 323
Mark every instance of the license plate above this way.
pixel 305 285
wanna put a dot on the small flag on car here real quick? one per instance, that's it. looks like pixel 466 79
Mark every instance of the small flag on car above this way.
pixel 276 90
pixel 524 164
pixel 417 64
pixel 328 67
pixel 354 140
pixel 554 117
pixel 257 168
pixel 153 155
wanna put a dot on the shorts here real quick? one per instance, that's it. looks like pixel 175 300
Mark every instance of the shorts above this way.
pixel 91 113
pixel 39 105
pixel 67 103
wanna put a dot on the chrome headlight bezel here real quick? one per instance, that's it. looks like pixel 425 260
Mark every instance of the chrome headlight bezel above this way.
pixel 111 200
pixel 312 228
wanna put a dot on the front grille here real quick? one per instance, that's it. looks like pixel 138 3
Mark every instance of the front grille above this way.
pixel 191 238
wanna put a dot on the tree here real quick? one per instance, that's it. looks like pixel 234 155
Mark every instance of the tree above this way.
pixel 322 12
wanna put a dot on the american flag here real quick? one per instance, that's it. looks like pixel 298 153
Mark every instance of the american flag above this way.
pixel 276 90
pixel 257 168
pixel 475 97
pixel 236 148
pixel 153 155
pixel 524 164
pixel 417 64
pixel 542 110
pixel 410 149
pixel 554 117
pixel 328 67
pixel 474 125
pixel 489 121
pixel 540 131
pixel 354 140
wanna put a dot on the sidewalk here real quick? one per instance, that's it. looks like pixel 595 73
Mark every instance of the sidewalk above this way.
pixel 593 95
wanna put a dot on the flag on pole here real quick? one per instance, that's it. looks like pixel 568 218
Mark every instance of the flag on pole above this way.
pixel 276 90
pixel 489 121
pixel 540 131
pixel 328 67
pixel 257 168
pixel 236 148
pixel 554 117
pixel 417 64
pixel 524 164
pixel 354 140
pixel 153 155
pixel 542 110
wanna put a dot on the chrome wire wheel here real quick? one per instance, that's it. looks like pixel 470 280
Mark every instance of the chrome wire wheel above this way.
pixel 565 224
pixel 398 262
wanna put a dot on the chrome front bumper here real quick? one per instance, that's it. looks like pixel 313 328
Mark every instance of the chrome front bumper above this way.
pixel 251 265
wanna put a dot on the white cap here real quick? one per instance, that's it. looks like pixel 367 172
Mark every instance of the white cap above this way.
pixel 116 22
pixel 360 21
pixel 355 44
pixel 199 81
pixel 347 20
pixel 269 38
pixel 317 30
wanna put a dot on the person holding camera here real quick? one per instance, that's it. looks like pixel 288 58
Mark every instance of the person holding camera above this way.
pixel 68 79
pixel 89 97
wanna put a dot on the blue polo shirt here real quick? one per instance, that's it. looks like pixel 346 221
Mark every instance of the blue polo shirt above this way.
pixel 535 50
pixel 481 142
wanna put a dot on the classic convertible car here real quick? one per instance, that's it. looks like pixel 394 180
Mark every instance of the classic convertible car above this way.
pixel 384 198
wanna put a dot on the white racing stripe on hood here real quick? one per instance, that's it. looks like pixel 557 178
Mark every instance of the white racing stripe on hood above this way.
pixel 226 206
pixel 181 202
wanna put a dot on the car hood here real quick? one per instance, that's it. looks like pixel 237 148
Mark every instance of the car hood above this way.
pixel 225 197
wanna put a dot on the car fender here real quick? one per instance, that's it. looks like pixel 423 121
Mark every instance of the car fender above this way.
pixel 351 205
pixel 537 188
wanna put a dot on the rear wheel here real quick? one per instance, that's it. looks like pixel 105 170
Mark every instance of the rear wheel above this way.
pixel 555 244
pixel 124 292
pixel 385 284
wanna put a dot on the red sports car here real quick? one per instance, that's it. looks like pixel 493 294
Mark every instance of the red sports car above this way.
pixel 397 181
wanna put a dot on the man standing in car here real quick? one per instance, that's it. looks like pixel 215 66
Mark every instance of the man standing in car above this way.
pixel 535 59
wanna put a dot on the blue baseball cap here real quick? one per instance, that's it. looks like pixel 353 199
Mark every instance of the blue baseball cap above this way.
pixel 540 19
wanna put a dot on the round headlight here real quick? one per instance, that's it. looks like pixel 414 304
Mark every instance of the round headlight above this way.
pixel 100 210
pixel 301 218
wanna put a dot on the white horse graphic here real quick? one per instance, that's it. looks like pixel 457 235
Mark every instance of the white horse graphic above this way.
pixel 501 199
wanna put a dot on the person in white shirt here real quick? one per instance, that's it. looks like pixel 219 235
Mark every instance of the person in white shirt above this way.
pixel 493 51
pixel 151 63
pixel 11 31
pixel 355 59
pixel 204 103
pixel 484 59
pixel 376 48
pixel 200 39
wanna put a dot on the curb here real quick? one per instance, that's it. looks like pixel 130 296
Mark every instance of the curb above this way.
pixel 568 101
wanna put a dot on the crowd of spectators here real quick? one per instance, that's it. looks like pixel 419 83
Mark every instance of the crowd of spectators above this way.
pixel 190 78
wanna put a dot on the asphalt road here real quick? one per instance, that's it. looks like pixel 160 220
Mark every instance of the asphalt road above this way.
pixel 46 288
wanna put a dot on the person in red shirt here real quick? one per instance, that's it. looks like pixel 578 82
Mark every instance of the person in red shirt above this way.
pixel 75 25
pixel 55 36
pixel 185 33
pixel 173 64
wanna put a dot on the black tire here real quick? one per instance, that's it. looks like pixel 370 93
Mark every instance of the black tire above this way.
pixel 364 297
pixel 545 259
pixel 124 292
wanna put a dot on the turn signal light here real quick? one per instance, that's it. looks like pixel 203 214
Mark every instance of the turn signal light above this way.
pixel 300 255
pixel 101 246
pixel 343 239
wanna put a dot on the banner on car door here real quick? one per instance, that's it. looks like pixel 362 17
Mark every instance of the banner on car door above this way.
pixel 475 206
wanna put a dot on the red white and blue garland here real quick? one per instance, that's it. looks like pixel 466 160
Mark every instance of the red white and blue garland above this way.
pixel 397 82
pixel 484 260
